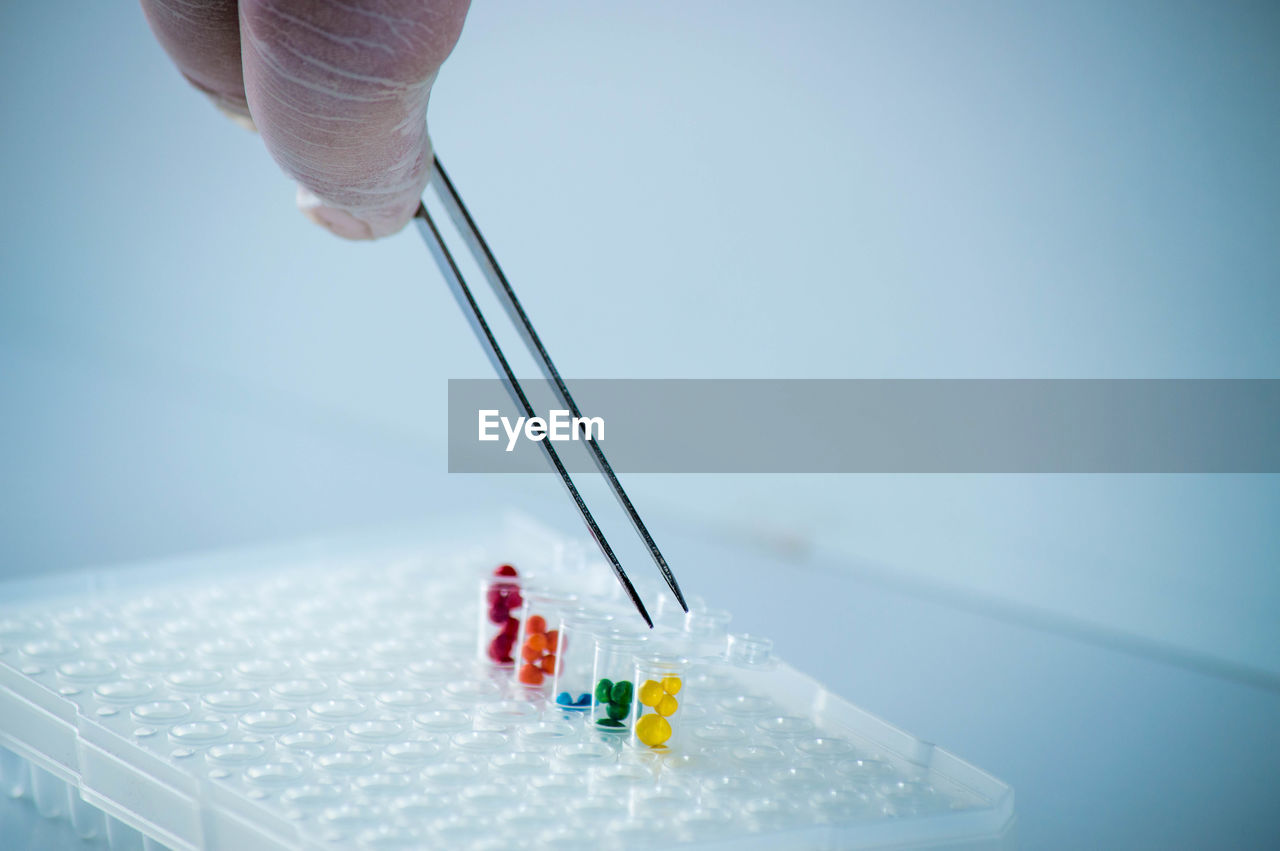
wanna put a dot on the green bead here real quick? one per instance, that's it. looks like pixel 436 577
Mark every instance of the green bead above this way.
pixel 621 692
pixel 618 711
pixel 609 722
pixel 603 689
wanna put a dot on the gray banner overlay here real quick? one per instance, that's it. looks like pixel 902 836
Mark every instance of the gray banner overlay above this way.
pixel 887 426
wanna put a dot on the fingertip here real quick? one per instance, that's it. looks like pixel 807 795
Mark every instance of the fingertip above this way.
pixel 336 221
pixel 239 117
pixel 346 224
pixel 341 103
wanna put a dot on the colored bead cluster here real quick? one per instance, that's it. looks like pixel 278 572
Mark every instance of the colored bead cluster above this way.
pixel 616 700
pixel 653 730
pixel 503 599
pixel 538 652
pixel 566 700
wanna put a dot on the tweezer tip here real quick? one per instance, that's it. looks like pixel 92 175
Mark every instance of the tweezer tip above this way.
pixel 632 594
pixel 670 579
pixel 639 604
pixel 675 589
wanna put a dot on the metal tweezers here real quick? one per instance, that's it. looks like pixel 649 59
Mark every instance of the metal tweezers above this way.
pixel 492 272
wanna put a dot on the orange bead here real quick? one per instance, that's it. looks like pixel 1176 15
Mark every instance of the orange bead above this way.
pixel 553 640
pixel 537 642
pixel 530 675
pixel 549 663
pixel 530 654
pixel 536 623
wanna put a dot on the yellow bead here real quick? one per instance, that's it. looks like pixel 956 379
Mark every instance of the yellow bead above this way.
pixel 651 693
pixel 667 706
pixel 653 730
pixel 671 684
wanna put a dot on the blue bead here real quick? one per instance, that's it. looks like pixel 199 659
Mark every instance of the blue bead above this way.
pixel 564 699
pixel 583 700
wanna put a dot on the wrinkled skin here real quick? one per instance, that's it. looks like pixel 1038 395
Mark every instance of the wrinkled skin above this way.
pixel 337 88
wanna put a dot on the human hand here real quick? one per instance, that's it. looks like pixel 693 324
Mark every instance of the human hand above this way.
pixel 337 88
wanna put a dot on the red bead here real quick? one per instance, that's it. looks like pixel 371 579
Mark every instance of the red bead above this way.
pixel 498 613
pixel 510 628
pixel 505 570
pixel 500 650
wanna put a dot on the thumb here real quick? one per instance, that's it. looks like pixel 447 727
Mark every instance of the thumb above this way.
pixel 339 93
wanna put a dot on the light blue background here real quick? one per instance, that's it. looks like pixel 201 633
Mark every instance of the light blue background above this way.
pixel 677 190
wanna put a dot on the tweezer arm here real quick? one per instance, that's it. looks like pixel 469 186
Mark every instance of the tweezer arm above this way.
pixel 471 310
pixel 501 287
